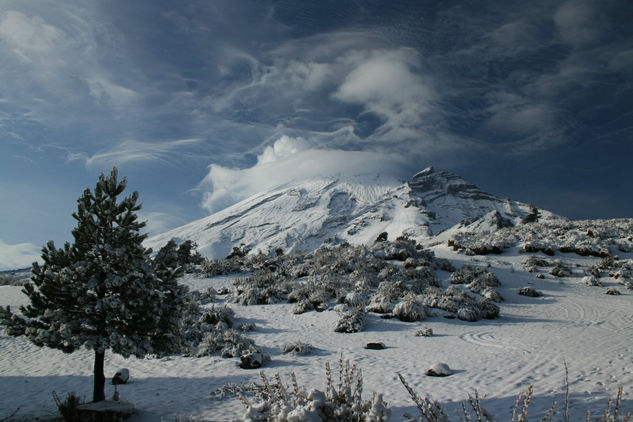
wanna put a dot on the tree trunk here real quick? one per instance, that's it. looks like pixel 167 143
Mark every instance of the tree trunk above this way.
pixel 98 393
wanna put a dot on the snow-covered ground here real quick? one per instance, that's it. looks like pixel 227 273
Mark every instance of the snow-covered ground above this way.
pixel 529 344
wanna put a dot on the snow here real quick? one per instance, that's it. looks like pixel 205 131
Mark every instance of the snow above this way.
pixel 301 216
pixel 572 323
pixel 572 328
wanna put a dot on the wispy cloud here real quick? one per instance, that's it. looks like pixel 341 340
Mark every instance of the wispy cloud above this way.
pixel 136 151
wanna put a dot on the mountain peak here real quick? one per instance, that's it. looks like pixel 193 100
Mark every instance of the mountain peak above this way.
pixel 305 215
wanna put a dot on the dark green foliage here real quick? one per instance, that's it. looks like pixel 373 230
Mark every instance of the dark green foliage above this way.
pixel 101 291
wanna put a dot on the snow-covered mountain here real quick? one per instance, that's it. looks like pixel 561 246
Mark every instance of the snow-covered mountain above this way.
pixel 304 215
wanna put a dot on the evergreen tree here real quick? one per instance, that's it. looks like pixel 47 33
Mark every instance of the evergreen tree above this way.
pixel 102 291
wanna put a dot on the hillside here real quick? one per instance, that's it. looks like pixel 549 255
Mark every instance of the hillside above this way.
pixel 301 216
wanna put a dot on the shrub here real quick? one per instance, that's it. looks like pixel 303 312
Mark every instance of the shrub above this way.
pixel 340 402
pixel 229 343
pixel 69 408
pixel 351 321
pixel 297 348
pixel 409 309
pixel 217 314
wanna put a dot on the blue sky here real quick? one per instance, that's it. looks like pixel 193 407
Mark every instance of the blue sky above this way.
pixel 200 103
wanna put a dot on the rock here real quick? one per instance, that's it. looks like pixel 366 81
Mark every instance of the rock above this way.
pixel 540 276
pixel 121 376
pixel 375 346
pixel 612 291
pixel 439 370
pixel 251 360
pixel 529 291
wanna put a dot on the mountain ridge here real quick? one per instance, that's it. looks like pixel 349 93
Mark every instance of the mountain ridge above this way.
pixel 303 215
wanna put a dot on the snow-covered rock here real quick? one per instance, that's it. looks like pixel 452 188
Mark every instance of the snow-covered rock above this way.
pixel 121 376
pixel 439 369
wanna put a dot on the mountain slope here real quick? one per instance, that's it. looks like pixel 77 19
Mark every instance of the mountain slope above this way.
pixel 306 214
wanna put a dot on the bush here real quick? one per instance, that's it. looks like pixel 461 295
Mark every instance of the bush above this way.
pixel 409 309
pixel 297 348
pixel 228 343
pixel 69 408
pixel 351 321
pixel 339 403
pixel 217 314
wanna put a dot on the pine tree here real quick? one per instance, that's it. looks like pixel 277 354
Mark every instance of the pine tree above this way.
pixel 102 291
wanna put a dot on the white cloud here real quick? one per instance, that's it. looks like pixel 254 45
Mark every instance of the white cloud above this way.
pixel 17 256
pixel 135 151
pixel 284 147
pixel 384 77
pixel 26 35
pixel 225 186
pixel 386 84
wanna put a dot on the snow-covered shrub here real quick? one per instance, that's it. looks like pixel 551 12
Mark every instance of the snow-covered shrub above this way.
pixel 488 309
pixel 205 297
pixel 355 299
pixel 468 312
pixel 340 402
pixel 213 267
pixel 228 343
pixel 351 321
pixel 261 288
pixel 492 294
pixel 533 261
pixel 380 305
pixel 476 277
pixel 560 270
pixel 424 332
pixel 612 291
pixel 529 291
pixel 409 309
pixel 303 306
pixel 216 314
pixel 591 280
pixel 387 293
pixel 297 348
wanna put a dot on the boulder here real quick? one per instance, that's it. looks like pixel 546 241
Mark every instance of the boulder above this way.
pixel 251 360
pixel 375 346
pixel 439 370
pixel 121 376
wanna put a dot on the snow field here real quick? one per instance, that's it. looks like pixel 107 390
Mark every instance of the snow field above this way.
pixel 528 344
